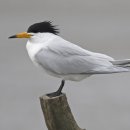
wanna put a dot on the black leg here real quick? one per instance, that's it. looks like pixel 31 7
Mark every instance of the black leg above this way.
pixel 59 91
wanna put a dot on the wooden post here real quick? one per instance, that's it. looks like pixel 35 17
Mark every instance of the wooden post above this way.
pixel 57 113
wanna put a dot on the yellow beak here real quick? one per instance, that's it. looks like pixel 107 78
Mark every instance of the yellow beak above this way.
pixel 21 35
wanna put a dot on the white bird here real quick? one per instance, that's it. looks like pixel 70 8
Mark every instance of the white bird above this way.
pixel 65 60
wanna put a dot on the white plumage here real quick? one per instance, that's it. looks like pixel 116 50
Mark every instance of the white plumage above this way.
pixel 63 59
pixel 68 61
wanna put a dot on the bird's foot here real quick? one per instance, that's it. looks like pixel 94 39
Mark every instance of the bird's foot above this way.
pixel 58 92
pixel 54 94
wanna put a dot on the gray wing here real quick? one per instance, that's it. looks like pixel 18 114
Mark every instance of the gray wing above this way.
pixel 66 58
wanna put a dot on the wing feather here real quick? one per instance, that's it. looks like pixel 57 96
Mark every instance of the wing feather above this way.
pixel 63 57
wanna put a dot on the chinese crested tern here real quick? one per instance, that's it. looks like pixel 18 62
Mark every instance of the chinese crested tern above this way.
pixel 65 60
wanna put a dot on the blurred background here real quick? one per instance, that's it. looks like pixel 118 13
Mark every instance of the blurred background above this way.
pixel 100 102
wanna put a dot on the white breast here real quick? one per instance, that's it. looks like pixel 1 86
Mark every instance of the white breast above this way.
pixel 32 50
pixel 36 43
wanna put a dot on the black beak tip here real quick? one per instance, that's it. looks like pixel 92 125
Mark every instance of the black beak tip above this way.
pixel 14 36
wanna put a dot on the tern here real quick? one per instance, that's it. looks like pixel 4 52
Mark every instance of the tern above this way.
pixel 63 59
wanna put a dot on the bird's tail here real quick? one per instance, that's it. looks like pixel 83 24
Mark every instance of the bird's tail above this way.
pixel 123 64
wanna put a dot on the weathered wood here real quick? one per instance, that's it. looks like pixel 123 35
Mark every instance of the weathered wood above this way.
pixel 57 113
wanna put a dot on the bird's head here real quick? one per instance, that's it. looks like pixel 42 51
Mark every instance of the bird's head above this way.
pixel 42 27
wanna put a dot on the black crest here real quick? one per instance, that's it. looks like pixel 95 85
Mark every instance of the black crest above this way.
pixel 45 26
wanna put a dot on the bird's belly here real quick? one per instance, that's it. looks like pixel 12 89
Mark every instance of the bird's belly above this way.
pixel 75 77
pixel 72 77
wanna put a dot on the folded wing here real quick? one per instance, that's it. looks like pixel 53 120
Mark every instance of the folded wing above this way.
pixel 64 58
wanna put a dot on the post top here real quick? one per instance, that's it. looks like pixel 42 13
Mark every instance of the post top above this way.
pixel 46 97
